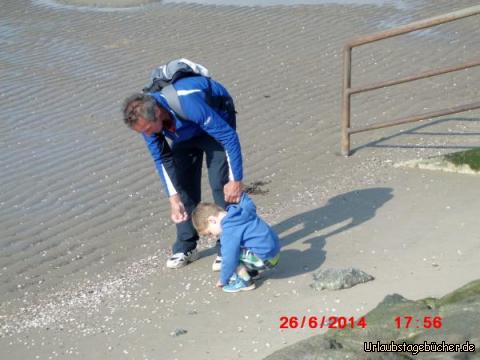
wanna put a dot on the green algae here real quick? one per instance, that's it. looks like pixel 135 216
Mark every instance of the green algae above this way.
pixel 470 157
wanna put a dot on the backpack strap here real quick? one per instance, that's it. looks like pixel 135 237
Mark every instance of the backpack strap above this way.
pixel 171 96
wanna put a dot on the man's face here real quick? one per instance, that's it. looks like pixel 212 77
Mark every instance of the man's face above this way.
pixel 147 127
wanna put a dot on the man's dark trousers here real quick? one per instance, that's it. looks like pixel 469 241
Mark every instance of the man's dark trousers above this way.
pixel 188 158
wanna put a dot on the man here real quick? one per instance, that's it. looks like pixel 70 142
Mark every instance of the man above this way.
pixel 207 127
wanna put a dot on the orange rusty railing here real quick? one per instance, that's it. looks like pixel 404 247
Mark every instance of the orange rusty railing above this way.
pixel 348 91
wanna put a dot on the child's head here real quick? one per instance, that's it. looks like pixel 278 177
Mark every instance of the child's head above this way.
pixel 206 218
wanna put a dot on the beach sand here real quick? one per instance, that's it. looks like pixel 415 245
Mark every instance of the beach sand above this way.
pixel 84 224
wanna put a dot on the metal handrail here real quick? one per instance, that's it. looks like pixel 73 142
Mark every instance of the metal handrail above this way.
pixel 348 91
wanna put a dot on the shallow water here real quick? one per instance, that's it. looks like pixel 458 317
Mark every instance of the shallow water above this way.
pixel 396 3
pixel 126 5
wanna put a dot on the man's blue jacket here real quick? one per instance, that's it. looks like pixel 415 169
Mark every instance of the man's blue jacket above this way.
pixel 203 118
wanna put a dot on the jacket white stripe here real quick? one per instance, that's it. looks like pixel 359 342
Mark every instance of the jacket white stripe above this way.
pixel 230 172
pixel 170 188
pixel 187 92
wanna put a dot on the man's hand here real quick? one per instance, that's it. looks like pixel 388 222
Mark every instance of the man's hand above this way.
pixel 178 212
pixel 232 191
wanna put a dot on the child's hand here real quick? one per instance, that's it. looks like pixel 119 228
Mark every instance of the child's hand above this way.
pixel 219 284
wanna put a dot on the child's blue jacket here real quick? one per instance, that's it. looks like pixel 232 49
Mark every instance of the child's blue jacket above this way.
pixel 243 228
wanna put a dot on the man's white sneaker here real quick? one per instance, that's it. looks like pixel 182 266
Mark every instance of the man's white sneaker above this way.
pixel 179 260
pixel 217 264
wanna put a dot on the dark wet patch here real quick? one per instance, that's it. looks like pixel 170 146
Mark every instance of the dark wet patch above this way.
pixel 255 188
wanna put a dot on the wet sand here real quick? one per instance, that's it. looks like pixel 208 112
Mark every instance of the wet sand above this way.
pixel 84 225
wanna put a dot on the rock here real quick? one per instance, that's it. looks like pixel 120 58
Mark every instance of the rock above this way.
pixel 336 279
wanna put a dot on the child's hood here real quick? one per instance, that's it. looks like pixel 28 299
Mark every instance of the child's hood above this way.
pixel 242 212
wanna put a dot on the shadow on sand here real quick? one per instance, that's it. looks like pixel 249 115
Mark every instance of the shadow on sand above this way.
pixel 422 131
pixel 314 227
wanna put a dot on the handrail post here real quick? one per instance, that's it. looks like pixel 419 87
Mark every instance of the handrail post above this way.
pixel 347 76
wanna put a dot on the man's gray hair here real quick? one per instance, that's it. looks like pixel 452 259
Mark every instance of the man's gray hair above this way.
pixel 138 106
